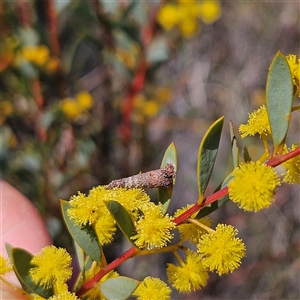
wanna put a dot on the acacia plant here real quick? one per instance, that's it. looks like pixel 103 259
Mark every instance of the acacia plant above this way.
pixel 93 219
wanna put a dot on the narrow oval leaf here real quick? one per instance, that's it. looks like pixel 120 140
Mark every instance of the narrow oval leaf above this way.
pixel 279 93
pixel 207 154
pixel 84 236
pixel 118 288
pixel 170 157
pixel 234 147
pixel 122 218
pixel 21 259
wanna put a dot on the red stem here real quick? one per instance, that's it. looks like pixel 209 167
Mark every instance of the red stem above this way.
pixel 277 160
pixel 273 162
pixel 92 282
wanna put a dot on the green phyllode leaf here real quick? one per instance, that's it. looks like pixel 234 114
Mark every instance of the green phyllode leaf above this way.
pixel 84 236
pixel 21 259
pixel 279 93
pixel 118 288
pixel 165 194
pixel 122 218
pixel 207 154
pixel 234 147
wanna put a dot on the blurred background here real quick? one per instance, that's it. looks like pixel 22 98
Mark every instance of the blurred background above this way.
pixel 93 91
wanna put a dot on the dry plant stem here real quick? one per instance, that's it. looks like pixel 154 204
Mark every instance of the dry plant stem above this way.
pixel 275 161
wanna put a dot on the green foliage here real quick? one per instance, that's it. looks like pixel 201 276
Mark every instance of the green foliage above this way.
pixel 207 154
pixel 165 194
pixel 122 218
pixel 126 287
pixel 64 141
pixel 84 236
pixel 279 92
pixel 21 263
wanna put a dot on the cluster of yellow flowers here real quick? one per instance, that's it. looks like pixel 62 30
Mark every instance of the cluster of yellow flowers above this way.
pixel 200 249
pixel 39 55
pixel 185 14
pixel 75 107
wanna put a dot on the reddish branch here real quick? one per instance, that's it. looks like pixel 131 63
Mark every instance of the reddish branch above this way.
pixel 273 162
pixel 138 82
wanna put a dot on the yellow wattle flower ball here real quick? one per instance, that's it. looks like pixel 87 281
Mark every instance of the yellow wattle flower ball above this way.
pixel 70 108
pixel 168 16
pixel 85 100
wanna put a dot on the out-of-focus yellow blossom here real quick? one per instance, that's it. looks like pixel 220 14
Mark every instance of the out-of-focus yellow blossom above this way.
pixel 37 55
pixel 152 289
pixel 188 27
pixel 150 108
pixel 6 108
pixel 73 108
pixel 168 16
pixel 210 11
pixel 85 100
pixel 185 15
pixel 295 70
pixel 70 108
pixel 292 167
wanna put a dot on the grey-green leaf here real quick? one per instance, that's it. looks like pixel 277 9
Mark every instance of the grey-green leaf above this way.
pixel 118 288
pixel 21 263
pixel 84 236
pixel 170 157
pixel 207 154
pixel 122 218
pixel 234 147
pixel 279 93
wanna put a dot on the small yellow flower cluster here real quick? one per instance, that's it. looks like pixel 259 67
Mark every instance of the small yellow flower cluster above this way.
pixel 52 268
pixel 295 70
pixel 74 108
pixel 152 289
pixel 153 228
pixel 218 250
pixel 184 15
pixel 38 55
pixel 253 186
pixel 258 123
